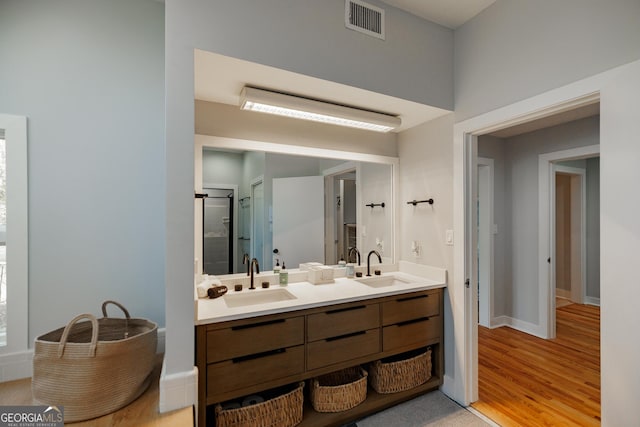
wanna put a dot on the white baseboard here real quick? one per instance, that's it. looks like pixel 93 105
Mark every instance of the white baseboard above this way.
pixel 520 325
pixel 16 366
pixel 592 301
pixel 179 390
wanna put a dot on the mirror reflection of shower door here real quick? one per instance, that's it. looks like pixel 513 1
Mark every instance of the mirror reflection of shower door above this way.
pixel 257 221
pixel 218 232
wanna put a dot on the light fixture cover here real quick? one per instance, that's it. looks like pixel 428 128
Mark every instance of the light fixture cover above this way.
pixel 281 104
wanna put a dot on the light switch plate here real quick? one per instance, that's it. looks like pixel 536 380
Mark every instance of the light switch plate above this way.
pixel 449 237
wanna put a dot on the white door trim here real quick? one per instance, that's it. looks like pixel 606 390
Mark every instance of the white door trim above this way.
pixel 485 241
pixel 546 233
pixel 578 197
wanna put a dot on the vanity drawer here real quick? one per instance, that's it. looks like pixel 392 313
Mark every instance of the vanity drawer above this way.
pixel 246 371
pixel 342 321
pixel 258 337
pixel 342 348
pixel 410 306
pixel 411 333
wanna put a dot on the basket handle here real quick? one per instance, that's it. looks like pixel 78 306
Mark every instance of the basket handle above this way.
pixel 120 306
pixel 67 330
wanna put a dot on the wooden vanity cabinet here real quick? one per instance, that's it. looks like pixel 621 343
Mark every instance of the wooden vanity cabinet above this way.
pixel 411 321
pixel 341 334
pixel 243 357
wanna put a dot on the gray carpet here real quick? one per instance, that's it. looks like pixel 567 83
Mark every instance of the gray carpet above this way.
pixel 431 409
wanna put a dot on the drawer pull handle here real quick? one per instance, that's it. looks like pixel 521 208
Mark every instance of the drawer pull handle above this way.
pixel 341 310
pixel 258 355
pixel 412 298
pixel 409 322
pixel 257 325
pixel 341 337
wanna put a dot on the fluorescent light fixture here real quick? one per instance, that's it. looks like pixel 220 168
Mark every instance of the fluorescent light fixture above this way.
pixel 296 107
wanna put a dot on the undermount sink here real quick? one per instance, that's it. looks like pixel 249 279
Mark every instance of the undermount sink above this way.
pixel 257 296
pixel 382 281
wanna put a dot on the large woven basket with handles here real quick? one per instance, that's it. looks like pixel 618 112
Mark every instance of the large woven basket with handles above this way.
pixel 94 367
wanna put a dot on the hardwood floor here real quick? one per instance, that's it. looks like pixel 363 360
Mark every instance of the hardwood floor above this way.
pixel 528 381
pixel 143 412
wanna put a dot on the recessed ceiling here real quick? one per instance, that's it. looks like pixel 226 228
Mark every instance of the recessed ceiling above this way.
pixel 449 13
pixel 220 79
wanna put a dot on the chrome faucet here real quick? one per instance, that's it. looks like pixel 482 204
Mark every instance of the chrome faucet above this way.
pixel 369 261
pixel 245 260
pixel 350 254
pixel 255 262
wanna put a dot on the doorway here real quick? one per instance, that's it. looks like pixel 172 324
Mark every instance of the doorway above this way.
pixel 218 230
pixel 569 231
pixel 341 212
pixel 519 166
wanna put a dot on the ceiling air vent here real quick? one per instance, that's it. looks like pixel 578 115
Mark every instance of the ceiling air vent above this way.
pixel 365 18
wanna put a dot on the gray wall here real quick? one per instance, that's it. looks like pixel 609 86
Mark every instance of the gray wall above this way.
pixel 515 49
pixel 519 242
pixel 494 148
pixel 220 167
pixel 309 37
pixel 89 77
pixel 593 227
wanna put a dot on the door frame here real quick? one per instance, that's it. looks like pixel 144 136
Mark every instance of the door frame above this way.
pixel 463 387
pixel 546 233
pixel 330 197
pixel 578 197
pixel 486 238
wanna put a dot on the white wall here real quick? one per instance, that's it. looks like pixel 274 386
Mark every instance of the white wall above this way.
pixel 516 49
pixel 89 77
pixel 426 171
pixel 620 239
pixel 375 223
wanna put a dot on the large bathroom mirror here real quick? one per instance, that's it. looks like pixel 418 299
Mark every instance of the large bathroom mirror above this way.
pixel 290 204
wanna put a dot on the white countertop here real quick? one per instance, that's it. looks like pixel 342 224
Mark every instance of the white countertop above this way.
pixel 308 295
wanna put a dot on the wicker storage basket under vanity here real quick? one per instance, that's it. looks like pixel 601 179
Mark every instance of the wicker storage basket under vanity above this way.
pixel 339 391
pixel 94 368
pixel 394 375
pixel 281 411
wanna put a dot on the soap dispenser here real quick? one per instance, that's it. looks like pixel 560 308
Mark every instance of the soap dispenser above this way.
pixel 284 275
pixel 276 268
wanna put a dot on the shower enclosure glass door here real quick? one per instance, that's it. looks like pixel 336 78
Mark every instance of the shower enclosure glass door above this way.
pixel 218 231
